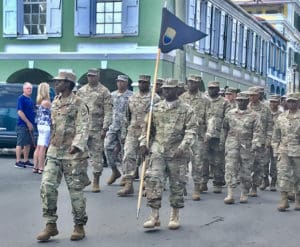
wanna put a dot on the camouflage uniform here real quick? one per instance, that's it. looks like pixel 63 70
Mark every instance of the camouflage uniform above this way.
pixel 262 155
pixel 99 102
pixel 286 139
pixel 214 152
pixel 242 131
pixel 273 154
pixel 173 126
pixel 117 130
pixel 138 105
pixel 69 128
pixel 200 105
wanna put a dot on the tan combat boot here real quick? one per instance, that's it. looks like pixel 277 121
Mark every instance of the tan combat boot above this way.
pixel 96 187
pixel 196 194
pixel 174 219
pixel 114 176
pixel 49 231
pixel 244 196
pixel 297 204
pixel 122 182
pixel 203 187
pixel 291 196
pixel 253 191
pixel 283 204
pixel 229 199
pixel 217 189
pixel 273 184
pixel 153 219
pixel 78 233
pixel 127 189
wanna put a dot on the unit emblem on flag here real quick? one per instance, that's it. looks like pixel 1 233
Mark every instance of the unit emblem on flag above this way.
pixel 169 36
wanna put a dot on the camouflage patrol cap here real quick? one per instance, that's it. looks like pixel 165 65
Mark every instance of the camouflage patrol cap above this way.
pixel 144 78
pixel 194 78
pixel 213 84
pixel 253 91
pixel 260 88
pixel 65 76
pixel 160 81
pixel 122 78
pixel 93 72
pixel 275 98
pixel 242 96
pixel 292 96
pixel 170 83
pixel 230 90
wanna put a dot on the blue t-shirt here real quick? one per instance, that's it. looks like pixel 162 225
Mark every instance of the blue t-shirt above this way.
pixel 25 104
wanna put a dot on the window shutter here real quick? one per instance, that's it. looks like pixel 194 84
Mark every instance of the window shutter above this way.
pixel 54 18
pixel 192 13
pixel 233 41
pixel 244 47
pixel 237 47
pixel 82 18
pixel 208 27
pixel 10 18
pixel 130 17
pixel 216 31
pixel 221 43
pixel 229 39
pixel 203 13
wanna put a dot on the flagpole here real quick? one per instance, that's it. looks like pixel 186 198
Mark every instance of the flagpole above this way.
pixel 148 133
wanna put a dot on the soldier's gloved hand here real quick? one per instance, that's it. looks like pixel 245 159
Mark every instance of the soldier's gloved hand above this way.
pixel 73 150
pixel 144 151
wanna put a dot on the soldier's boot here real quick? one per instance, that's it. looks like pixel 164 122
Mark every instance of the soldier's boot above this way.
pixel 265 183
pixel 136 173
pixel 273 184
pixel 291 196
pixel 114 175
pixel 203 187
pixel 78 233
pixel 284 203
pixel 174 219
pixel 122 182
pixel 229 199
pixel 297 204
pixel 127 189
pixel 253 191
pixel 96 186
pixel 217 189
pixel 153 219
pixel 244 196
pixel 49 231
pixel 196 194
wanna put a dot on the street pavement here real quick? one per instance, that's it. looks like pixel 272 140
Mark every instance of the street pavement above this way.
pixel 112 220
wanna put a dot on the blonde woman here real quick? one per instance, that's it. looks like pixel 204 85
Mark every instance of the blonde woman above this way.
pixel 43 121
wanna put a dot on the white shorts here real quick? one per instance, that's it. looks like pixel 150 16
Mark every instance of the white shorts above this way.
pixel 44 135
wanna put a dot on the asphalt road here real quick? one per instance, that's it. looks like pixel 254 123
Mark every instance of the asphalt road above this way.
pixel 112 220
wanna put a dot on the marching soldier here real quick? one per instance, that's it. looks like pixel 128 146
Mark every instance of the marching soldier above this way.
pixel 173 130
pixel 66 156
pixel 286 140
pixel 242 133
pixel 98 99
pixel 200 105
pixel 215 152
pixel 138 106
pixel 262 154
pixel 115 138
